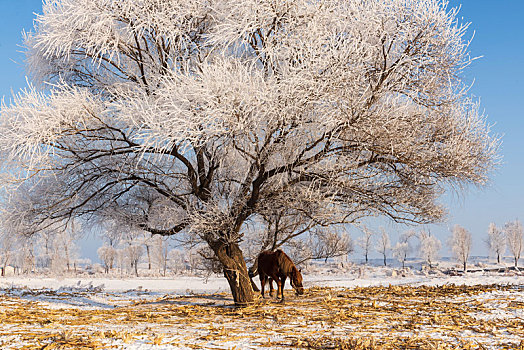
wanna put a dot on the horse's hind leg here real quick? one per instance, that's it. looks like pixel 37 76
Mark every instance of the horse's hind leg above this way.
pixel 273 277
pixel 271 287
pixel 263 279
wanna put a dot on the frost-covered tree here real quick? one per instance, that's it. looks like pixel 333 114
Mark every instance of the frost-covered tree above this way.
pixel 133 252
pixel 25 254
pixel 496 241
pixel 401 251
pixel 429 247
pixel 65 246
pixel 176 261
pixel 160 253
pixel 515 239
pixel 366 241
pixel 383 244
pixel 121 260
pixel 460 244
pixel 44 248
pixel 108 255
pixel 195 117
pixel 8 245
pixel 403 248
pixel 333 244
pixel 56 248
pixel 148 244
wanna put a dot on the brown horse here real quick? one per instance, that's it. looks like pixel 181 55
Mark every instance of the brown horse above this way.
pixel 277 266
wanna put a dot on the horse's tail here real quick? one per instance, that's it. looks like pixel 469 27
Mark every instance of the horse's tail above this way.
pixel 253 270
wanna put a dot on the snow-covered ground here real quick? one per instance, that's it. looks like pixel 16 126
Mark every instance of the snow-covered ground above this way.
pixel 187 285
pixel 318 274
pixel 342 305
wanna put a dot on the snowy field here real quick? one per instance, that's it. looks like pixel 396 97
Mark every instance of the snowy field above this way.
pixel 352 307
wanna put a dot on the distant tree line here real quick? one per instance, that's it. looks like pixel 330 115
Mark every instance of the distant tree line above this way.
pixel 139 252
pixel 509 238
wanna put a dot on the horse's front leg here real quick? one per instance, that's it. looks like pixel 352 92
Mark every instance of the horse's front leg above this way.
pixel 271 287
pixel 279 286
pixel 282 288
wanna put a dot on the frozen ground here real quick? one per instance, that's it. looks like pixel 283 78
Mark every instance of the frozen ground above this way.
pixel 352 306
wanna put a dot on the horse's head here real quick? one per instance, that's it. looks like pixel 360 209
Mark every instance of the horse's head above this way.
pixel 296 281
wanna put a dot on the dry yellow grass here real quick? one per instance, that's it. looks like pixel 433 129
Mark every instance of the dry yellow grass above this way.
pixel 395 317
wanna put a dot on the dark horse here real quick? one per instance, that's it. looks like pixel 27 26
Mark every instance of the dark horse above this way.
pixel 277 266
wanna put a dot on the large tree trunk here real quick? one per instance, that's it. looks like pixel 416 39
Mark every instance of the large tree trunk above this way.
pixel 235 271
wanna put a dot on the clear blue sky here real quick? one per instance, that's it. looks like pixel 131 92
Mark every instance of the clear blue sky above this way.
pixel 499 79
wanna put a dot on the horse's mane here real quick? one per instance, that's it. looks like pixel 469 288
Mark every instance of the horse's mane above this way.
pixel 285 263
